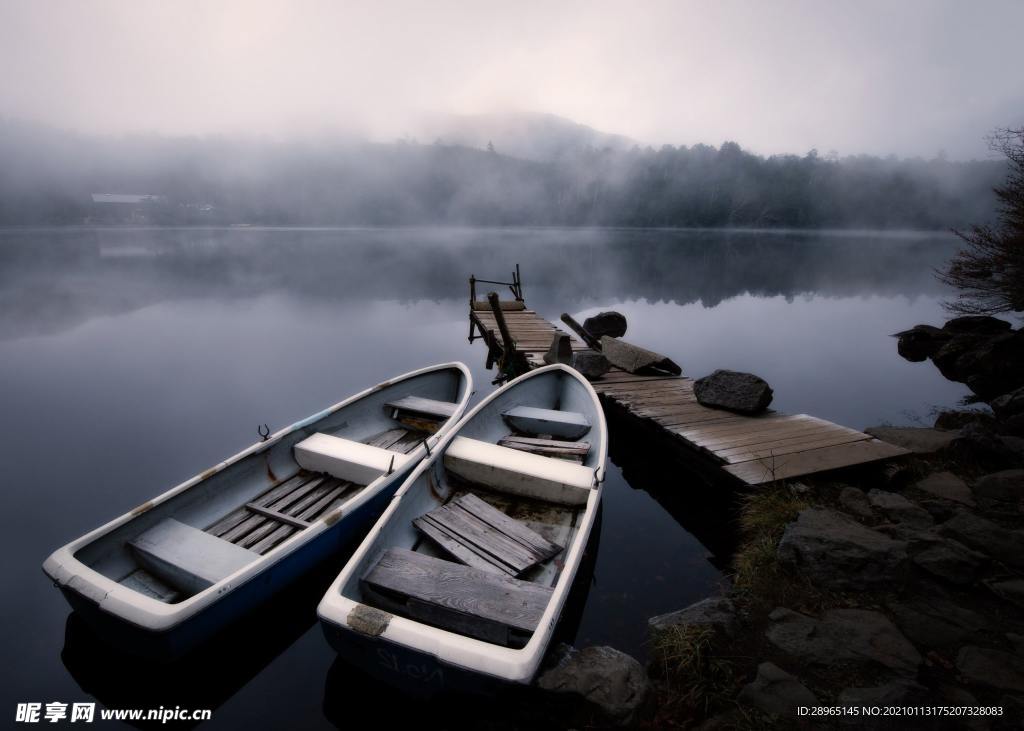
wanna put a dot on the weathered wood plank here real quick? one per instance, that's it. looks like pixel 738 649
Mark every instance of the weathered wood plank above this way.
pixel 548 447
pixel 803 444
pixel 487 541
pixel 464 552
pixel 542 548
pixel 275 515
pixel 759 471
pixel 469 592
pixel 739 439
pixel 428 407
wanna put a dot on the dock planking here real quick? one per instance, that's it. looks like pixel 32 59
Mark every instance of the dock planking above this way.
pixel 753 450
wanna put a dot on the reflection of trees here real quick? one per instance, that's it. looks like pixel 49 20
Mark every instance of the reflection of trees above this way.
pixel 52 279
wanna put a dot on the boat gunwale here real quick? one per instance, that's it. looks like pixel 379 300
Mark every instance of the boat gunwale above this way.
pixel 505 663
pixel 71 574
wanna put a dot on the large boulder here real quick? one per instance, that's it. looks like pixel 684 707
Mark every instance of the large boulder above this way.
pixel 947 486
pixel 1005 486
pixel 610 679
pixel 855 636
pixel 947 559
pixel 717 613
pixel 741 392
pixel 978 443
pixel 611 323
pixel 899 692
pixel 776 692
pixel 935 622
pixel 1012 590
pixel 837 552
pixel 590 363
pixel 991 668
pixel 855 502
pixel 921 342
pixel 983 535
pixel 921 440
pixel 898 509
pixel 1009 404
pixel 634 359
pixel 977 325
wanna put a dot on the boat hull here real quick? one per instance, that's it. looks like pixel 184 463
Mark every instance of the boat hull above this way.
pixel 173 643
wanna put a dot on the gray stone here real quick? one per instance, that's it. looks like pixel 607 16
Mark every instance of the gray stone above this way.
pixel 1009 404
pixel 991 668
pixel 609 323
pixel 744 393
pixel 947 486
pixel 936 622
pixel 977 324
pixel 985 536
pixel 610 679
pixel 897 508
pixel 949 560
pixel 978 443
pixel 634 359
pixel 719 613
pixel 956 696
pixel 1017 641
pixel 1004 486
pixel 776 692
pixel 560 350
pixel 590 363
pixel 921 440
pixel 920 342
pixel 894 693
pixel 855 502
pixel 857 636
pixel 1012 590
pixel 837 552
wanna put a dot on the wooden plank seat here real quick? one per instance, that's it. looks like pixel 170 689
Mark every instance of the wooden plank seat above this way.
pixel 289 506
pixel 576 451
pixel 421 413
pixel 534 422
pixel 519 473
pixel 483 537
pixel 187 558
pixel 482 604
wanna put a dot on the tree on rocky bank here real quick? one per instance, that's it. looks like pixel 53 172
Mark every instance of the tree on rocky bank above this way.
pixel 989 272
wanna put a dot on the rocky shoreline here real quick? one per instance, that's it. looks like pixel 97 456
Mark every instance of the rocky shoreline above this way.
pixel 890 586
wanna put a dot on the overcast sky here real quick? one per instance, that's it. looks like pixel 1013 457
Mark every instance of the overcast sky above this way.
pixel 900 76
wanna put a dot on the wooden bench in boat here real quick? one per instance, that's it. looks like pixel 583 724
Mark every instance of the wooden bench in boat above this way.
pixel 576 451
pixel 346 459
pixel 187 558
pixel 422 407
pixel 534 421
pixel 480 604
pixel 483 537
pixel 518 472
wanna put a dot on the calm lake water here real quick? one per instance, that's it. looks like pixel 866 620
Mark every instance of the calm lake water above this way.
pixel 131 359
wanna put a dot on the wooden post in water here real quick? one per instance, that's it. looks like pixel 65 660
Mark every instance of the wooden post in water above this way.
pixel 499 317
pixel 589 339
pixel 512 362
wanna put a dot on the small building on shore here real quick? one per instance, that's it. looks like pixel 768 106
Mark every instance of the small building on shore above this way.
pixel 126 207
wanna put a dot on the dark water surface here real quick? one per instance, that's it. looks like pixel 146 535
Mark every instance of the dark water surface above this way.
pixel 131 359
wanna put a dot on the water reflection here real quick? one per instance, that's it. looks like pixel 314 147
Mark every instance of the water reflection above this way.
pixel 112 271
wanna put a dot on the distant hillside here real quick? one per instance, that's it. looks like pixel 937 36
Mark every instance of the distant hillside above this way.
pixel 49 177
pixel 540 137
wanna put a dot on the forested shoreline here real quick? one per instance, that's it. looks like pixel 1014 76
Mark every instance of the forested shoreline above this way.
pixel 48 177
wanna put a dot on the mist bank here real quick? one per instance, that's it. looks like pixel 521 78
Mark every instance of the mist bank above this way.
pixel 49 177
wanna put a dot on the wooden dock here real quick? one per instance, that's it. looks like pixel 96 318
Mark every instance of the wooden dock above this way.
pixel 751 449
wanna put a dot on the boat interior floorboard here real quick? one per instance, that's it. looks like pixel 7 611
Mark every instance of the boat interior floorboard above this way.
pixel 288 507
